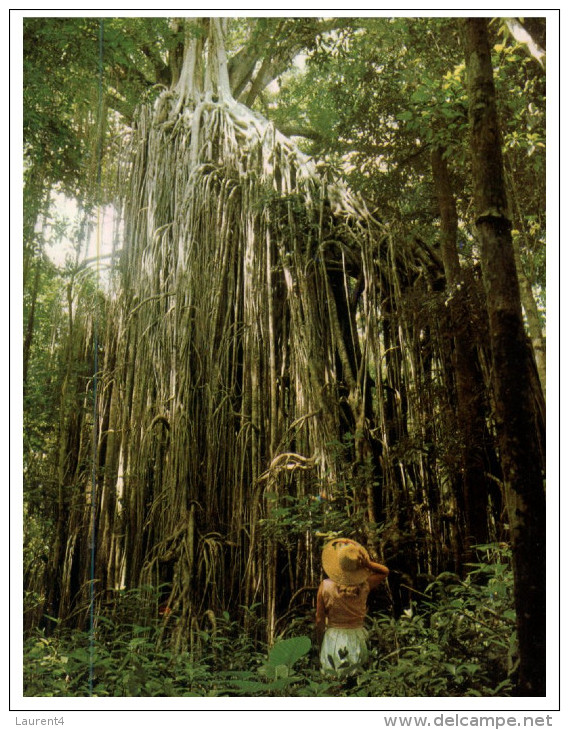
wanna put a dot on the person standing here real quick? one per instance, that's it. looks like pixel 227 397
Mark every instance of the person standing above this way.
pixel 341 605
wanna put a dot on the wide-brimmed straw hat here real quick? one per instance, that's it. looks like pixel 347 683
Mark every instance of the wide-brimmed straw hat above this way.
pixel 341 561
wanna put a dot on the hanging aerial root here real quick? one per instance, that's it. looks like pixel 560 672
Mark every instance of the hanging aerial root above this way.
pixel 287 462
pixel 231 234
pixel 229 134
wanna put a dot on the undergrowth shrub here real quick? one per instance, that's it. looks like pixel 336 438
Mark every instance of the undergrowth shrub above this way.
pixel 460 642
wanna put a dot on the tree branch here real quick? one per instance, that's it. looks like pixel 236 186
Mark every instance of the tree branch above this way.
pixel 522 36
pixel 296 130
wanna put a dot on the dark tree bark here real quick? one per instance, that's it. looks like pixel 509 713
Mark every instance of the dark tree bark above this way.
pixel 30 324
pixel 471 409
pixel 511 365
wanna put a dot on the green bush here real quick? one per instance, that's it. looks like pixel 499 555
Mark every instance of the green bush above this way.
pixel 460 642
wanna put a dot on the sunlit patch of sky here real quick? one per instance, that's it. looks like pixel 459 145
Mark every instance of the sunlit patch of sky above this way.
pixel 68 243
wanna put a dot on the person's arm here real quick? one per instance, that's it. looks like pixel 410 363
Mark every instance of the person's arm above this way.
pixel 379 572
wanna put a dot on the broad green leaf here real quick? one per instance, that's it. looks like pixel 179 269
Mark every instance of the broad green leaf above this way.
pixel 288 651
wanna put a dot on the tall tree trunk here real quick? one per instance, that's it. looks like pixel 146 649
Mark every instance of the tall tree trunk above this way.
pixel 31 323
pixel 36 205
pixel 511 367
pixel 532 315
pixel 35 202
pixel 469 382
pixel 526 290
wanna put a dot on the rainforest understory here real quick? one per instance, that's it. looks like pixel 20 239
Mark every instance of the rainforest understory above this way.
pixel 290 343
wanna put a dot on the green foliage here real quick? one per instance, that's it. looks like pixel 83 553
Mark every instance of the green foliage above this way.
pixel 377 91
pixel 521 91
pixel 277 669
pixel 59 371
pixel 323 509
pixel 381 92
pixel 285 654
pixel 290 517
pixel 62 76
pixel 461 642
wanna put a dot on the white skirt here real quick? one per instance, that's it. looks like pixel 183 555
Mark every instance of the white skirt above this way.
pixel 343 651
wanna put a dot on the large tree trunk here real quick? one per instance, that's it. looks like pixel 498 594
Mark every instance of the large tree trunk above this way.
pixel 529 303
pixel 30 324
pixel 36 204
pixel 511 367
pixel 237 344
pixel 471 407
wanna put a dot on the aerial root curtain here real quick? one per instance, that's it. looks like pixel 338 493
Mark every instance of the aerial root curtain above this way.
pixel 225 347
pixel 261 317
